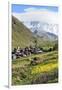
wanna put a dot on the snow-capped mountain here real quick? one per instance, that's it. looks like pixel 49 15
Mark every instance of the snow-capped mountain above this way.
pixel 44 30
pixel 42 26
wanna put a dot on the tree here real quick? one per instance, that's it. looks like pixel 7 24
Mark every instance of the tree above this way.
pixel 55 46
pixel 35 41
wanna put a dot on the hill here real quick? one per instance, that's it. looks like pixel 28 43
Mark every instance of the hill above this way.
pixel 46 35
pixel 21 35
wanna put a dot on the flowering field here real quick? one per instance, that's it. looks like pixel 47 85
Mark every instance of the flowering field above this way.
pixel 44 70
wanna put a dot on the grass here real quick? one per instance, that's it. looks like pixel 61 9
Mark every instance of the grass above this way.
pixel 25 73
pixel 20 34
pixel 44 68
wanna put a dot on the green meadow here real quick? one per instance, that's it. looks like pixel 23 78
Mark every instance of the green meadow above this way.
pixel 23 72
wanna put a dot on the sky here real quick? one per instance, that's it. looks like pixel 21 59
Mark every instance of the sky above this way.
pixel 43 14
pixel 17 8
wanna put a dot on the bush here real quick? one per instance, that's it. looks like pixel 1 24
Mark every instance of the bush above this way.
pixel 42 78
pixel 46 77
pixel 36 61
pixel 55 46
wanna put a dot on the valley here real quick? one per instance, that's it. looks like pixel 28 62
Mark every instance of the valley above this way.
pixel 33 67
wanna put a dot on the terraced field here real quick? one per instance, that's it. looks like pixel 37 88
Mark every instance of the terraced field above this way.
pixel 24 72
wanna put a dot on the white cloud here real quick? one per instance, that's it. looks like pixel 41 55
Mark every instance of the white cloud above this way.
pixel 41 15
pixel 33 14
pixel 30 9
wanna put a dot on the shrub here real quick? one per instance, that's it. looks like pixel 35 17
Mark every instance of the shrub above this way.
pixel 42 78
pixel 36 60
pixel 45 77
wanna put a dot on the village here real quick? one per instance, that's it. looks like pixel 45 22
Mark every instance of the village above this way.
pixel 23 52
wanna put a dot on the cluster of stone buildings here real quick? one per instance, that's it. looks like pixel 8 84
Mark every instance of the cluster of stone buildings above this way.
pixel 19 52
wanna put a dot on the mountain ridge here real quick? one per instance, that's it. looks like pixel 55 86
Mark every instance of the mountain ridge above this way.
pixel 22 36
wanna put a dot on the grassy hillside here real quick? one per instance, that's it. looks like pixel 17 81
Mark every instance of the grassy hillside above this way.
pixel 21 35
pixel 23 72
